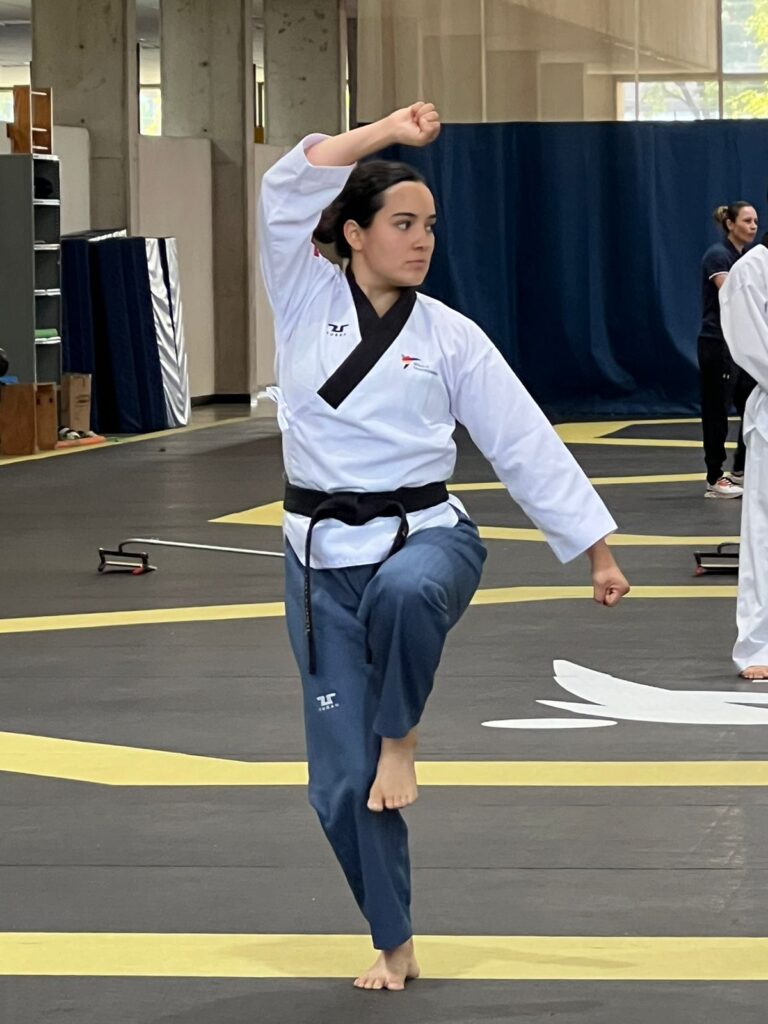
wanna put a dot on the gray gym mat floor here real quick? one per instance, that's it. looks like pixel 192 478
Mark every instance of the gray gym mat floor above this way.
pixel 507 860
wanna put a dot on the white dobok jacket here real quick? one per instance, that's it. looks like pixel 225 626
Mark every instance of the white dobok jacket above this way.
pixel 744 317
pixel 395 428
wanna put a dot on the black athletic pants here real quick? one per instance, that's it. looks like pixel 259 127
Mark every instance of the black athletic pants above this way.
pixel 723 384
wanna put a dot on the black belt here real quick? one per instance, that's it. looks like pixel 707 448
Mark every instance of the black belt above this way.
pixel 355 509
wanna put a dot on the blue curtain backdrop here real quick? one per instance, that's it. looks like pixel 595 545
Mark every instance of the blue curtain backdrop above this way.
pixel 109 332
pixel 577 248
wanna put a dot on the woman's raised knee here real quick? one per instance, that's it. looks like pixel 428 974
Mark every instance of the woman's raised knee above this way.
pixel 409 591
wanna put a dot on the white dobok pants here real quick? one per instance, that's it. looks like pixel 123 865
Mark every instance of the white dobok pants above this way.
pixel 751 648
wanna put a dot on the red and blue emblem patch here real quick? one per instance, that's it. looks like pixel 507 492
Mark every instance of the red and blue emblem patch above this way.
pixel 407 360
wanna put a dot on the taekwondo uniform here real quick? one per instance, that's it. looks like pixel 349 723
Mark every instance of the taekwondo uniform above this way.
pixel 744 315
pixel 381 561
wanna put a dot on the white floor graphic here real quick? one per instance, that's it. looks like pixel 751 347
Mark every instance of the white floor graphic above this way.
pixel 612 700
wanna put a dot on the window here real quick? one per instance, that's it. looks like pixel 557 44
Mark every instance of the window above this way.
pixel 745 36
pixel 6 105
pixel 150 98
pixel 736 88
pixel 743 98
pixel 150 110
pixel 670 101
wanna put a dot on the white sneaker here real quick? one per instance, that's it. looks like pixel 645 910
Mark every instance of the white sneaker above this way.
pixel 738 478
pixel 724 488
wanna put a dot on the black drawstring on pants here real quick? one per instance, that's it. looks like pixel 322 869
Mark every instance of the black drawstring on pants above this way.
pixel 355 509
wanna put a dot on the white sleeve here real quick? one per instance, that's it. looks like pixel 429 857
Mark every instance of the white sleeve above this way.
pixel 744 318
pixel 520 443
pixel 294 193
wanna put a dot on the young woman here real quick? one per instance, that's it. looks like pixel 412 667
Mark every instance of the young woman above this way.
pixel 380 560
pixel 744 301
pixel 722 382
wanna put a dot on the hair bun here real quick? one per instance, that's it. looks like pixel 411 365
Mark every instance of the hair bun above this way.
pixel 325 231
pixel 721 214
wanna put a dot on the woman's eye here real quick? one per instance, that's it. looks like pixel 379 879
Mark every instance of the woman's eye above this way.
pixel 405 224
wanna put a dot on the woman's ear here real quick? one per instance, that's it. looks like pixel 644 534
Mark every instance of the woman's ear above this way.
pixel 354 235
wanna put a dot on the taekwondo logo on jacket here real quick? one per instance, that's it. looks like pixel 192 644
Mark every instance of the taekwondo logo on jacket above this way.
pixel 337 330
pixel 417 364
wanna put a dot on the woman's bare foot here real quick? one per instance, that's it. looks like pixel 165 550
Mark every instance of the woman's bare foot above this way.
pixel 391 970
pixel 754 672
pixel 395 784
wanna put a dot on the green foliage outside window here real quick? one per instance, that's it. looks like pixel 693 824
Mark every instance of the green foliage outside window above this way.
pixel 746 99
pixel 745 50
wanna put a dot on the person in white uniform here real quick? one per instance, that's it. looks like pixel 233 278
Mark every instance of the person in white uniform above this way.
pixel 744 315
pixel 381 561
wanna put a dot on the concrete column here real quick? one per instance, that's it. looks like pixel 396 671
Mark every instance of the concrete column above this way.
pixel 303 76
pixel 207 88
pixel 86 51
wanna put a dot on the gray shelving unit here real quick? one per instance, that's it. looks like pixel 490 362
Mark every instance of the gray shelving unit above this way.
pixel 30 265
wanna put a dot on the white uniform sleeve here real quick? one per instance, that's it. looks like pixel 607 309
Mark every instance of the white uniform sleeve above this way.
pixel 293 195
pixel 520 443
pixel 744 317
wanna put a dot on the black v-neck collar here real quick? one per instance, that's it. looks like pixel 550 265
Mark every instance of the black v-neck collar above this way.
pixel 367 316
pixel 377 335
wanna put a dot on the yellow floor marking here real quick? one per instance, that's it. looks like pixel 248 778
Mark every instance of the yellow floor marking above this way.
pixel 520 595
pixel 661 478
pixel 620 540
pixel 571 433
pixel 261 515
pixel 146 617
pixel 597 481
pixel 588 774
pixel 272 515
pixel 459 957
pixel 111 442
pixel 273 609
pixel 601 428
pixel 112 765
pixel 600 433
pixel 12 460
pixel 645 442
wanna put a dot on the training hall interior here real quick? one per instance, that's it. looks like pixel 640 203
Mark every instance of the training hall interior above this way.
pixel 589 840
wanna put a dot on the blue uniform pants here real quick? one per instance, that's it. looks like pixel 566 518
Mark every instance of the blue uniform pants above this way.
pixel 379 636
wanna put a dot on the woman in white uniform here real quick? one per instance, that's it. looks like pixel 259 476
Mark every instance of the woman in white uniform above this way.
pixel 744 314
pixel 381 561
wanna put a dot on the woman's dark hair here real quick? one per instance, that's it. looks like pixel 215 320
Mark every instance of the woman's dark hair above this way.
pixel 361 199
pixel 729 213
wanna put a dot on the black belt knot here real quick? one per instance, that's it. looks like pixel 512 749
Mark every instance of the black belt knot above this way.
pixel 355 509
